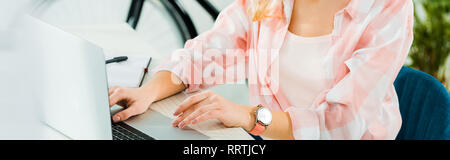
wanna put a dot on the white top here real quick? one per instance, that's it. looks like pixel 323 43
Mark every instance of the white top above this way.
pixel 301 65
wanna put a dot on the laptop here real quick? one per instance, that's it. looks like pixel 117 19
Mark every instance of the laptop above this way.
pixel 72 90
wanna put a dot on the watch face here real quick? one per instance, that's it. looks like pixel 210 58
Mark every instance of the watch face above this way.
pixel 264 116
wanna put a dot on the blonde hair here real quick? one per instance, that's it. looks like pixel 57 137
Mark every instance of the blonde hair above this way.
pixel 261 9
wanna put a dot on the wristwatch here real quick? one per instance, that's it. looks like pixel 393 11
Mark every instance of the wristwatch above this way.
pixel 263 119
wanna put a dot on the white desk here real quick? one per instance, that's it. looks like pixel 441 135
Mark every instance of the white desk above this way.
pixel 122 39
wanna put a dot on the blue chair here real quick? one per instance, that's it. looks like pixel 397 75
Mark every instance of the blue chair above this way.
pixel 424 106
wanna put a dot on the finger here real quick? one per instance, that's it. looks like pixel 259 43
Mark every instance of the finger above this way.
pixel 112 89
pixel 125 114
pixel 183 116
pixel 191 101
pixel 187 112
pixel 213 114
pixel 188 119
pixel 116 96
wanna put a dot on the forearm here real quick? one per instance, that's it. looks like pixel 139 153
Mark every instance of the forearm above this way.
pixel 280 128
pixel 162 85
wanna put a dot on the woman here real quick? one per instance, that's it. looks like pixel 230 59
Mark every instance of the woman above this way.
pixel 317 69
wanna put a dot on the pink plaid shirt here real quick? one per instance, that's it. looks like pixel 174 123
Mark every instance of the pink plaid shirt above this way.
pixel 370 43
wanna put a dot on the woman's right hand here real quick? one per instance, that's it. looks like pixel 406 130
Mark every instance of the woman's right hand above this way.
pixel 134 100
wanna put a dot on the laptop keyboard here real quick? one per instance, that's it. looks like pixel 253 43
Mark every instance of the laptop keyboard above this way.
pixel 122 131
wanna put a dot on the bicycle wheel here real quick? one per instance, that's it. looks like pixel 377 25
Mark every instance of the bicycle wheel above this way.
pixel 172 20
pixel 160 28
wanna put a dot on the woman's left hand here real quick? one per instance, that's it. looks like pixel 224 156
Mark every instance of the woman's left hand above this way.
pixel 209 105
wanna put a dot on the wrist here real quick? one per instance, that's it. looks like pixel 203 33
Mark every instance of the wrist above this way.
pixel 249 122
pixel 150 96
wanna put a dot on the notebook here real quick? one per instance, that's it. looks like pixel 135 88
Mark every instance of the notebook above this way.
pixel 129 73
pixel 212 128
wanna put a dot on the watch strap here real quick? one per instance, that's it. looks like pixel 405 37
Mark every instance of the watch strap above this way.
pixel 258 129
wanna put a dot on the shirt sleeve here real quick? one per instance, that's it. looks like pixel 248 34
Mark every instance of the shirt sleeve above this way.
pixel 358 106
pixel 206 59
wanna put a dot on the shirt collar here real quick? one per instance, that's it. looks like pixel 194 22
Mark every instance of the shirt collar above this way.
pixel 357 7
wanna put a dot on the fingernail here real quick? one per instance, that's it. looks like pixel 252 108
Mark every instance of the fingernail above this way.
pixel 174 122
pixel 116 118
pixel 194 121
pixel 181 125
pixel 175 114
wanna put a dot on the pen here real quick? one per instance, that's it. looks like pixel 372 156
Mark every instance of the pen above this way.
pixel 117 59
pixel 145 71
